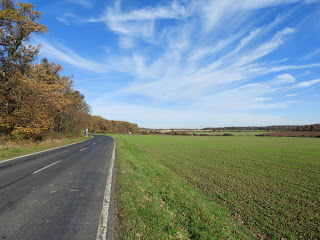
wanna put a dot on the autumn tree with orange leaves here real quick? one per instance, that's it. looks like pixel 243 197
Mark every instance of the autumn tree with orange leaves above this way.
pixel 100 125
pixel 34 98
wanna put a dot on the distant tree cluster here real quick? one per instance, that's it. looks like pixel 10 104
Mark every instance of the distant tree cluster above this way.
pixel 312 127
pixel 35 98
pixel 98 124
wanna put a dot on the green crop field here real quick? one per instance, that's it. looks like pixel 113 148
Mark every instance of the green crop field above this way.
pixel 180 187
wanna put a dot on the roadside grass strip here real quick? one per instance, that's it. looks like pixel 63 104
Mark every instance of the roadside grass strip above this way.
pixel 12 151
pixel 177 187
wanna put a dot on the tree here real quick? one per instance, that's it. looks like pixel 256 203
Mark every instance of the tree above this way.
pixel 17 25
pixel 16 56
pixel 35 98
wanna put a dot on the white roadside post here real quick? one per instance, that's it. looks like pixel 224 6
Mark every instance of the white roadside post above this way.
pixel 87 132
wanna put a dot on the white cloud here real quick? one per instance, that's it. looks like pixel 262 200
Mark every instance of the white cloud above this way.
pixel 117 4
pixel 83 3
pixel 311 55
pixel 266 48
pixel 126 42
pixel 68 18
pixel 175 81
pixel 63 54
pixel 255 96
pixel 218 12
pixel 174 11
pixel 283 79
pixel 143 29
pixel 201 52
pixel 63 20
pixel 272 69
pixel 140 23
pixel 244 42
pixel 307 83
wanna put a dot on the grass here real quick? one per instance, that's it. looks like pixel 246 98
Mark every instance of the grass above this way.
pixel 11 150
pixel 176 187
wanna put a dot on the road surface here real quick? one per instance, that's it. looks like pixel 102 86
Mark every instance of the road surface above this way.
pixel 58 194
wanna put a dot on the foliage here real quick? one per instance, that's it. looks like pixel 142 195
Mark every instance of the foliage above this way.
pixel 98 124
pixel 17 24
pixel 34 98
pixel 312 127
pixel 269 185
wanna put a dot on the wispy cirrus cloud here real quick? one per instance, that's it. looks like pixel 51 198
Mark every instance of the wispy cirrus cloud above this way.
pixel 253 96
pixel 63 54
pixel 283 79
pixel 63 20
pixel 266 48
pixel 83 3
pixel 308 83
pixel 310 55
pixel 70 18
pixel 189 81
pixel 217 12
pixel 140 23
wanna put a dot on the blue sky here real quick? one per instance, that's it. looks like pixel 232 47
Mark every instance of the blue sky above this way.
pixel 189 64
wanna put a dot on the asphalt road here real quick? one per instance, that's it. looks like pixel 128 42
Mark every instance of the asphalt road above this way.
pixel 57 194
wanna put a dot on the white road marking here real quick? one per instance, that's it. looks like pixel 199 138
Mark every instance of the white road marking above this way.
pixel 103 223
pixel 46 167
pixel 82 149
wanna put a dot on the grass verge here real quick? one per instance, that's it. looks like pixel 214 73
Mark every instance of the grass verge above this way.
pixel 11 150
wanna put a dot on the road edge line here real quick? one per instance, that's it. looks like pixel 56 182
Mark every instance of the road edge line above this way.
pixel 11 159
pixel 103 223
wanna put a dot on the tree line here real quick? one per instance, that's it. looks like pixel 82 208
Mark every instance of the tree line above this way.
pixel 35 99
pixel 311 127
pixel 100 125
